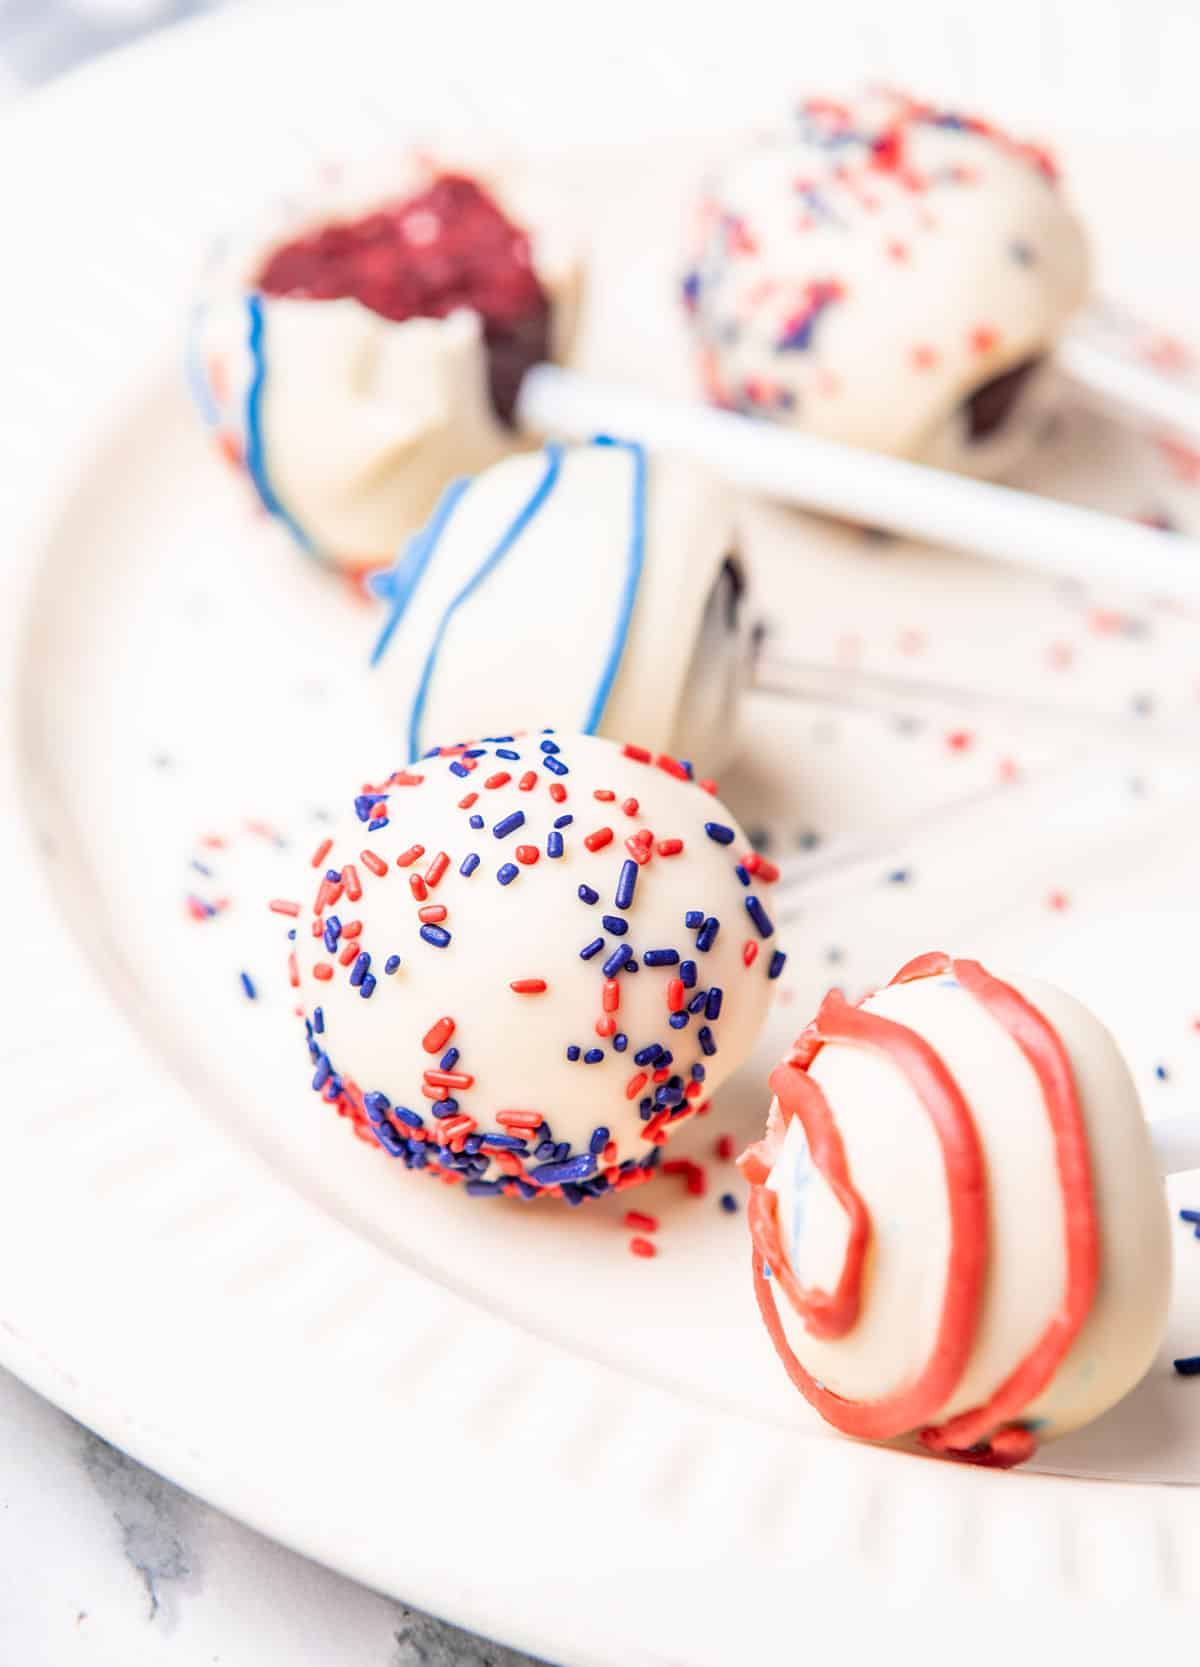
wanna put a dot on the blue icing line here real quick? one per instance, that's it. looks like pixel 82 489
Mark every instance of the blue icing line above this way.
pixel 256 464
pixel 635 560
pixel 510 536
pixel 399 584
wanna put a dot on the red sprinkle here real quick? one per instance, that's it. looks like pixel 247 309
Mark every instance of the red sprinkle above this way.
pixel 520 1119
pixel 528 781
pixel 528 986
pixel 724 1148
pixel 467 801
pixel 675 995
pixel 558 792
pixel 630 807
pixel 293 971
pixel 693 1174
pixel 438 1035
pixel 605 795
pixel 407 858
pixel 641 755
pixel 606 1025
pixel 499 779
pixel 612 995
pixel 599 839
pixel 323 971
pixel 640 1222
pixel 418 887
pixel 959 740
pixel 635 1085
pixel 281 906
pixel 352 929
pixel 527 854
pixel 672 766
pixel 349 952
pixel 352 882
pixel 669 847
pixel 437 868
pixel 642 1247
pixel 639 850
pixel 707 785
pixel 321 852
pixel 431 914
pixel 376 864
pixel 450 1079
pixel 749 952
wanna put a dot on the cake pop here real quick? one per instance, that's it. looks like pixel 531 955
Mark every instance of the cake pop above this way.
pixel 959 1225
pixel 529 960
pixel 592 586
pixel 888 274
pixel 359 349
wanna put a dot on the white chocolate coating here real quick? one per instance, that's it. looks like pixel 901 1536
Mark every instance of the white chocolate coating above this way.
pixel 896 1165
pixel 363 419
pixel 514 1046
pixel 862 274
pixel 534 639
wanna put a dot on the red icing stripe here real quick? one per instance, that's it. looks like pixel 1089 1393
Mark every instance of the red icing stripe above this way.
pixel 830 1315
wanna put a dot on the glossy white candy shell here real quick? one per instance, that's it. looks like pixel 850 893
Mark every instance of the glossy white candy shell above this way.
pixel 895 1162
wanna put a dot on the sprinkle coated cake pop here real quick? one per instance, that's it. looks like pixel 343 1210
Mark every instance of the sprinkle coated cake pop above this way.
pixel 961 1213
pixel 887 274
pixel 590 585
pixel 527 961
pixel 358 350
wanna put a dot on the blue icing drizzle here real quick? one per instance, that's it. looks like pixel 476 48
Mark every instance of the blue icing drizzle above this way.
pixel 256 462
pixel 398 586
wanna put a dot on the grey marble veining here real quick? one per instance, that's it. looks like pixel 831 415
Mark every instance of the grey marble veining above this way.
pixel 105 1564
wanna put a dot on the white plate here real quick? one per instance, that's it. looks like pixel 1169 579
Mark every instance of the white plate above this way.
pixel 497 1414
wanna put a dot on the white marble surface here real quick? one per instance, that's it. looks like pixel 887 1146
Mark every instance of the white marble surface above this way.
pixel 105 1564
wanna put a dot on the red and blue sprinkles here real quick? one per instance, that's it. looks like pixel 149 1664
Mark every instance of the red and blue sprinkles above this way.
pixel 523 1156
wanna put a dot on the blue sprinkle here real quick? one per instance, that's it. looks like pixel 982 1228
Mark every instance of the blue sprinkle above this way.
pixel 483 1189
pixel 406 1116
pixel 631 965
pixel 573 1051
pixel 475 752
pixel 503 1142
pixel 509 824
pixel 713 1008
pixel 248 986
pixel 590 949
pixel 475 820
pixel 562 1150
pixel 390 965
pixel 507 873
pixel 333 875
pixel 1189 1366
pixel 898 877
pixel 593 1056
pixel 502 752
pixel 587 895
pixel 563 821
pixel 375 1105
pixel 687 974
pixel 698 1002
pixel 436 935
pixel 549 746
pixel 201 868
pixel 620 1041
pixel 444 1108
pixel 661 957
pixel 1192 1216
pixel 556 766
pixel 707 935
pixel 469 864
pixel 457 769
pixel 323 1072
pixel 387 1137
pixel 554 843
pixel 778 962
pixel 448 1060
pixel 616 960
pixel 729 1203
pixel 599 1140
pixel 573 1169
pixel 678 1021
pixel 359 970
pixel 544 1149
pixel 367 987
pixel 626 884
pixel 719 832
pixel 1160 1071
pixel 693 918
pixel 319 1020
pixel 364 806
pixel 742 875
pixel 697 1072
pixel 380 822
pixel 615 925
pixel 647 1055
pixel 707 1045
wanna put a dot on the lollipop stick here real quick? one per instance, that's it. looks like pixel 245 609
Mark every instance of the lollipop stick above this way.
pixel 1010 526
pixel 1176 1142
pixel 1113 380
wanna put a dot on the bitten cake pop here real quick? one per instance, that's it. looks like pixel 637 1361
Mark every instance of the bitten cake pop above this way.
pixel 887 274
pixel 592 586
pixel 960 1231
pixel 365 346
pixel 527 961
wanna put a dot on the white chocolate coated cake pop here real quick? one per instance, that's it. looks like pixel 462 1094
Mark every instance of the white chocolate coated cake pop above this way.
pixel 962 1215
pixel 889 275
pixel 355 351
pixel 592 586
pixel 530 959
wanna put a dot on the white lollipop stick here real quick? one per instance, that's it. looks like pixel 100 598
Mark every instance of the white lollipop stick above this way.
pixel 1176 1142
pixel 908 498
pixel 1134 388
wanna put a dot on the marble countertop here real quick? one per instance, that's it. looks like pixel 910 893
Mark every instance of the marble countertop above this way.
pixel 105 1564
